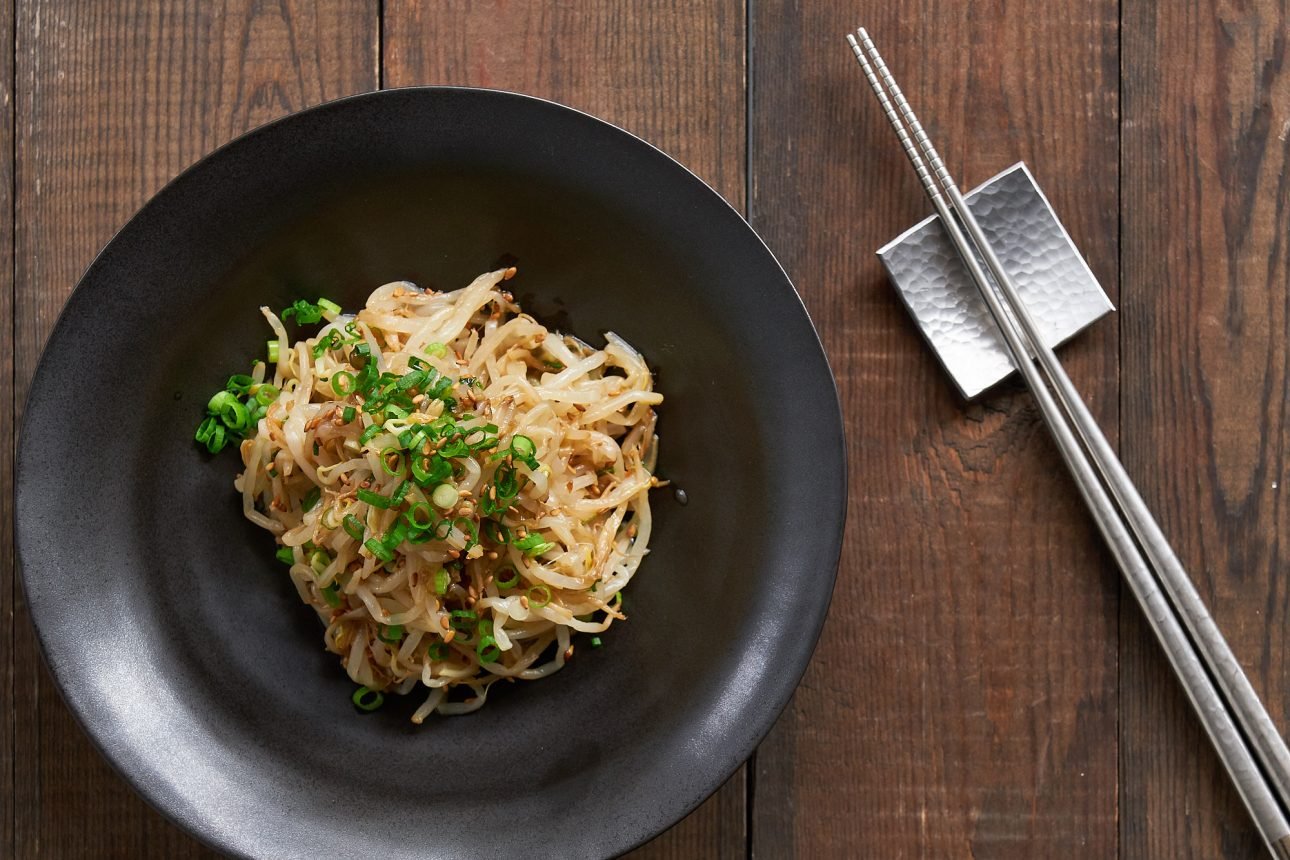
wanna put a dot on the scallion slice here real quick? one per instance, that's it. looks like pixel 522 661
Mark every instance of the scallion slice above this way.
pixel 462 620
pixel 378 550
pixel 523 447
pixel 318 561
pixel 396 455
pixel 331 594
pixel 496 532
pixel 487 650
pixel 342 382
pixel 376 500
pixel 353 527
pixel 420 517
pixel 366 699
pixel 510 581
pixel 444 496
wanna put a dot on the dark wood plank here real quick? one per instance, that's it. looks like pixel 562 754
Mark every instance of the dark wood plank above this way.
pixel 1206 215
pixel 671 71
pixel 7 579
pixel 113 99
pixel 962 701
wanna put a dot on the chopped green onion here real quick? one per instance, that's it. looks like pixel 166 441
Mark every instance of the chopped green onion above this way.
pixel 441 580
pixel 329 306
pixel 319 561
pixel 430 469
pixel 266 394
pixel 444 496
pixel 218 437
pixel 353 526
pixel 506 483
pixel 376 500
pixel 509 582
pixel 442 529
pixel 454 448
pixel 331 594
pixel 306 313
pixel 331 340
pixel 397 455
pixel 400 492
pixel 347 415
pixel 273 346
pixel 391 633
pixel 487 650
pixel 419 516
pixel 239 383
pixel 462 620
pixel 539 596
pixel 467 526
pixel 396 535
pixel 436 349
pixel 369 434
pixel 286 555
pixel 234 415
pixel 496 532
pixel 367 699
pixel 437 651
pixel 533 544
pixel 311 498
pixel 211 434
pixel 378 550
pixel 342 376
pixel 595 642
pixel 216 404
pixel 411 380
pixel 523 447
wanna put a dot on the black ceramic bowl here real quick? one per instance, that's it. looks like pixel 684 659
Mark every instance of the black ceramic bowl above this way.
pixel 179 641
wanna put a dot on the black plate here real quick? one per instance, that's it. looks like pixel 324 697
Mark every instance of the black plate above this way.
pixel 180 643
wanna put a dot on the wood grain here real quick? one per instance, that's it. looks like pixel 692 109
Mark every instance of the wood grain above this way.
pixel 962 701
pixel 113 100
pixel 1206 271
pixel 670 71
pixel 7 579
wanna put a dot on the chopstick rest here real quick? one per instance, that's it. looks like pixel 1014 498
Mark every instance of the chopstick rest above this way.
pixel 1054 281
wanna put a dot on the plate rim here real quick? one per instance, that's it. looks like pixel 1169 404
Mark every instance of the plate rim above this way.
pixel 835 500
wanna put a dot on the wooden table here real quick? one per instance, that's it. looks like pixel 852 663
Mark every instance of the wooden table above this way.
pixel 985 686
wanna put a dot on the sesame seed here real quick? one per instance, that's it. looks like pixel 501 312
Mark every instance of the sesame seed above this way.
pixel 443 621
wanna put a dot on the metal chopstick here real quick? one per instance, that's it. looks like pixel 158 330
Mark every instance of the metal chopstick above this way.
pixel 1118 509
